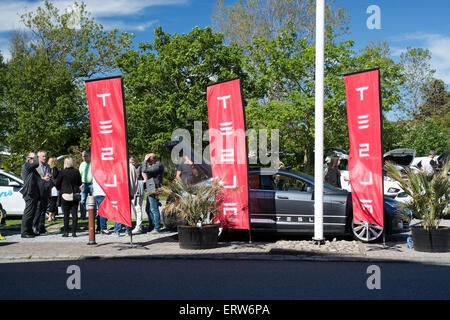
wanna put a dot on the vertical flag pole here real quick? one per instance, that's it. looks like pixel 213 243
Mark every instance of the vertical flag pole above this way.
pixel 246 154
pixel 128 158
pixel 319 101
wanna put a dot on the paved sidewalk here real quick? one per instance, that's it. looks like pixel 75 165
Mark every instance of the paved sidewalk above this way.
pixel 165 246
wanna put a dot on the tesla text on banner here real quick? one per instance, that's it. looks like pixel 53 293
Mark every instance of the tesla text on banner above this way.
pixel 365 160
pixel 228 151
pixel 108 147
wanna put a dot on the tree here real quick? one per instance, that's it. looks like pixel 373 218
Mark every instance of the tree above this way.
pixel 283 71
pixel 247 20
pixel 437 100
pixel 165 83
pixel 428 134
pixel 417 71
pixel 3 113
pixel 44 101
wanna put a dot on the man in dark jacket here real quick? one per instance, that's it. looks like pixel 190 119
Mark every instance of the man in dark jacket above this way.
pixel 45 186
pixel 154 170
pixel 30 192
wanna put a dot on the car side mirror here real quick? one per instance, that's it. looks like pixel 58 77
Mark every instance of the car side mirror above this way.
pixel 14 184
pixel 309 189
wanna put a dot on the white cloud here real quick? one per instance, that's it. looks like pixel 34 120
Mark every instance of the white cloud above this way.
pixel 439 46
pixel 121 25
pixel 102 11
pixel 10 10
pixel 4 48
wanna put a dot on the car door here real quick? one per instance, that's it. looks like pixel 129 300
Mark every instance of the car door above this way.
pixel 262 202
pixel 10 197
pixel 294 204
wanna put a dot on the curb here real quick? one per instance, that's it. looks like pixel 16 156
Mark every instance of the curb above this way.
pixel 237 257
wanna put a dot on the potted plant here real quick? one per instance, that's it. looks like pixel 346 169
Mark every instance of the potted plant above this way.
pixel 429 203
pixel 196 205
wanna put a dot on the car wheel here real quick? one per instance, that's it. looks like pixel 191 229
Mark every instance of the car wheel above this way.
pixel 365 231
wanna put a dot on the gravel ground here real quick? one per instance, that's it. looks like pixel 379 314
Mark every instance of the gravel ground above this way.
pixel 330 247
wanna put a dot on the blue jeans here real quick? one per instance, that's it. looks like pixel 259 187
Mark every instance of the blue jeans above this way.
pixel 101 221
pixel 87 189
pixel 152 209
pixel 118 227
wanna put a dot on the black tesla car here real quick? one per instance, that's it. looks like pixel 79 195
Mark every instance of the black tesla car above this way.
pixel 282 201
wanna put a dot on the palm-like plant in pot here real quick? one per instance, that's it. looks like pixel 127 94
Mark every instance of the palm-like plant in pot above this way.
pixel 429 203
pixel 196 206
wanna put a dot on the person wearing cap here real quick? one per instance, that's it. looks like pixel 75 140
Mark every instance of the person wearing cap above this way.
pixel 429 164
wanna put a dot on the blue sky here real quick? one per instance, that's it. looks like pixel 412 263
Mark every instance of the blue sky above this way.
pixel 415 23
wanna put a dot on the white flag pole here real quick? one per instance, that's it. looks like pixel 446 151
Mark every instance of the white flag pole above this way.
pixel 318 161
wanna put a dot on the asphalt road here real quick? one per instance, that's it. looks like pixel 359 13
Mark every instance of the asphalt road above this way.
pixel 221 280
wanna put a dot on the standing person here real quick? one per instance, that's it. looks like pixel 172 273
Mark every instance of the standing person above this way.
pixel 68 184
pixel 333 175
pixel 2 215
pixel 132 189
pixel 99 195
pixel 86 178
pixel 45 186
pixel 139 196
pixel 185 171
pixel 30 192
pixel 428 164
pixel 154 171
pixel 52 208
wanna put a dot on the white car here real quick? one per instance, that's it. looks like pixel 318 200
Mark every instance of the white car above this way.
pixel 392 188
pixel 10 197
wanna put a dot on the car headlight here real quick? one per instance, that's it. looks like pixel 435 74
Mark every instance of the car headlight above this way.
pixel 402 195
pixel 393 190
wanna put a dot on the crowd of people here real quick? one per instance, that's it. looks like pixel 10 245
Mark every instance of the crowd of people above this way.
pixel 46 188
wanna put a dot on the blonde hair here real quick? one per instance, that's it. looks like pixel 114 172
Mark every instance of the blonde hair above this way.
pixel 68 163
pixel 52 162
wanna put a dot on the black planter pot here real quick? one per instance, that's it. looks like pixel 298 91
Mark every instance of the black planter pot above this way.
pixel 204 237
pixel 431 240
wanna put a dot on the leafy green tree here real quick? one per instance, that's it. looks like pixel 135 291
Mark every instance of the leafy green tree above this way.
pixel 165 83
pixel 44 98
pixel 248 20
pixel 3 113
pixel 283 70
pixel 417 71
pixel 437 100
pixel 428 134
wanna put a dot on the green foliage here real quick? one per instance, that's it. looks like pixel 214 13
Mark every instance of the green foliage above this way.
pixel 429 194
pixel 436 100
pixel 193 203
pixel 44 106
pixel 428 134
pixel 417 71
pixel 165 83
pixel 247 20
pixel 283 71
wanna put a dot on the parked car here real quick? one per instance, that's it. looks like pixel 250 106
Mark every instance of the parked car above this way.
pixel 282 201
pixel 400 157
pixel 10 197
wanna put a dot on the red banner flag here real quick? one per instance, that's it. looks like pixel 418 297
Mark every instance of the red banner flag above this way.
pixel 228 151
pixel 109 147
pixel 366 156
